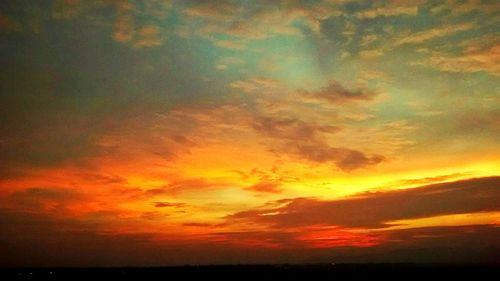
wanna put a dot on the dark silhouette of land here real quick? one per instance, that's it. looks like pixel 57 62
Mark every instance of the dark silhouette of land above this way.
pixel 263 272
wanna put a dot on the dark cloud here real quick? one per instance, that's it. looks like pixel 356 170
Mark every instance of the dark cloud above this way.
pixel 150 192
pixel 307 141
pixel 450 244
pixel 28 239
pixel 344 158
pixel 266 239
pixel 291 128
pixel 42 198
pixel 169 204
pixel 31 239
pixel 182 140
pixel 336 93
pixel 372 210
pixel 201 224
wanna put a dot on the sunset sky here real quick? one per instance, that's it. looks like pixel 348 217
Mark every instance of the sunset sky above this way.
pixel 211 132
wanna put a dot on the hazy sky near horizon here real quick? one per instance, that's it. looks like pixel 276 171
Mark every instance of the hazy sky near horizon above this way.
pixel 169 132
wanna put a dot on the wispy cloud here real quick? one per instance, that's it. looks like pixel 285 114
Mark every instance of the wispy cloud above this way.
pixel 388 11
pixel 436 32
pixel 473 59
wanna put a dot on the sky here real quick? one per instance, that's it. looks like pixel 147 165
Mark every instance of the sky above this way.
pixel 218 132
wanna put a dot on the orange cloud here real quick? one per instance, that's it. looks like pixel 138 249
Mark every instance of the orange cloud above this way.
pixel 148 36
pixel 394 9
pixel 272 187
pixel 124 29
pixel 436 32
pixel 473 59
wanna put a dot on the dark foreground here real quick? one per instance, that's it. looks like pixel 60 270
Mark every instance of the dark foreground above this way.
pixel 263 272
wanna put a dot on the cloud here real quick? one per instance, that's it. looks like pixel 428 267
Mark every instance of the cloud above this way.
pixel 230 44
pixel 266 187
pixel 202 225
pixel 473 59
pixel 186 184
pixel 374 210
pixel 222 10
pixel 388 11
pixel 182 185
pixel 42 199
pixel 371 54
pixel 256 85
pixel 344 158
pixel 50 122
pixel 266 239
pixel 306 141
pixel 477 123
pixel 34 239
pixel 428 180
pixel 96 178
pixel 274 117
pixel 369 39
pixel 458 7
pixel 124 29
pixel 406 38
pixel 290 128
pixel 433 33
pixel 37 240
pixel 456 244
pixel 27 240
pixel 148 36
pixel 45 193
pixel 127 14
pixel 256 22
pixel 169 204
pixel 36 135
pixel 336 93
